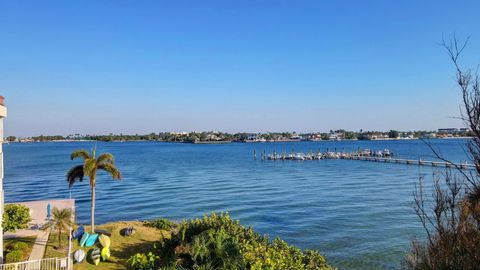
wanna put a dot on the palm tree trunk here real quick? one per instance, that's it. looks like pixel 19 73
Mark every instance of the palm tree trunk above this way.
pixel 93 210
pixel 59 238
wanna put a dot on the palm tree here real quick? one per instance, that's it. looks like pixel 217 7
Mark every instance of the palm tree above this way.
pixel 89 168
pixel 61 220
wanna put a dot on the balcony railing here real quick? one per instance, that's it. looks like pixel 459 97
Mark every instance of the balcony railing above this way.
pixel 44 264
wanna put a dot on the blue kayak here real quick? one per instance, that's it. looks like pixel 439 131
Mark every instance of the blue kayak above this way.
pixel 78 233
pixel 84 238
pixel 91 240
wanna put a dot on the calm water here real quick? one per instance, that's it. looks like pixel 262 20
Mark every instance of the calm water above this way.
pixel 359 214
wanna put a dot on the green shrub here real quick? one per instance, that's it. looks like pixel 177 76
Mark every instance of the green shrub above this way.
pixel 141 261
pixel 216 248
pixel 17 250
pixel 20 246
pixel 14 256
pixel 218 242
pixel 15 217
pixel 161 224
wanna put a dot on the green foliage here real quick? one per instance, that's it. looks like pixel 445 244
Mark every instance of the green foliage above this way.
pixel 14 256
pixel 160 223
pixel 141 261
pixel 217 249
pixel 314 260
pixel 350 135
pixel 393 134
pixel 16 251
pixel 47 138
pixel 218 242
pixel 19 246
pixel 15 217
pixel 91 164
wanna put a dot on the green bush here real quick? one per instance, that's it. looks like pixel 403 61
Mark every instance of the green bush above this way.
pixel 141 261
pixel 14 256
pixel 161 224
pixel 18 251
pixel 15 217
pixel 20 246
pixel 216 249
pixel 218 242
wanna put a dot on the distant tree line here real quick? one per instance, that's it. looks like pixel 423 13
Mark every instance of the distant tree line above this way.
pixel 212 136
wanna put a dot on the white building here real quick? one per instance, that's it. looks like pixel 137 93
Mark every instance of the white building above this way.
pixel 3 114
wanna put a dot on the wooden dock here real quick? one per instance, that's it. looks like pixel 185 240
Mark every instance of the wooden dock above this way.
pixel 419 162
pixel 362 156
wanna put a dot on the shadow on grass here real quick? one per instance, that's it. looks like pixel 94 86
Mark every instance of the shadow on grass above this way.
pixel 51 248
pixel 26 240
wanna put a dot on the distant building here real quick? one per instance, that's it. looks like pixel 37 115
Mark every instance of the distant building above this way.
pixel 378 136
pixel 213 137
pixel 296 137
pixel 315 137
pixel 335 136
pixel 255 138
pixel 178 133
pixel 447 130
pixel 431 135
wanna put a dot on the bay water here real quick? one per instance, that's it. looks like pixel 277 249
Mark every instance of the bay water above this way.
pixel 357 213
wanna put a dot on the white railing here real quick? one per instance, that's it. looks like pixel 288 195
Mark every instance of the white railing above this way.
pixel 45 264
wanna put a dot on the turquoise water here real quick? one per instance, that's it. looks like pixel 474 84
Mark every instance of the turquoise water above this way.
pixel 359 214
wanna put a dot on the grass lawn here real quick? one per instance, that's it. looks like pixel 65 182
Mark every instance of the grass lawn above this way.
pixel 27 240
pixel 52 251
pixel 121 247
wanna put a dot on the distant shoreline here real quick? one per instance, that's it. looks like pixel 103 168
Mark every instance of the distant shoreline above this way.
pixel 242 142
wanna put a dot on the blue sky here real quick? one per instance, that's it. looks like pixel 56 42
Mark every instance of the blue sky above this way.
pixel 150 66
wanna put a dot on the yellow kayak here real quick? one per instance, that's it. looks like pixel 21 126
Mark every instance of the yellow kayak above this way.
pixel 104 241
pixel 105 253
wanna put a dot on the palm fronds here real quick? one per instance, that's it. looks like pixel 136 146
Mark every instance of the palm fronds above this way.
pixel 80 154
pixel 74 174
pixel 105 158
pixel 111 169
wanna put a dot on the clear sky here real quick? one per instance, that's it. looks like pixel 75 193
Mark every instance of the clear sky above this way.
pixel 148 66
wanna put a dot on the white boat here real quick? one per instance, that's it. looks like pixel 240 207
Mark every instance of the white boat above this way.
pixel 332 155
pixel 299 156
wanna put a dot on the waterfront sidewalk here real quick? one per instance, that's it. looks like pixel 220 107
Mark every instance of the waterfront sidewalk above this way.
pixel 39 246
